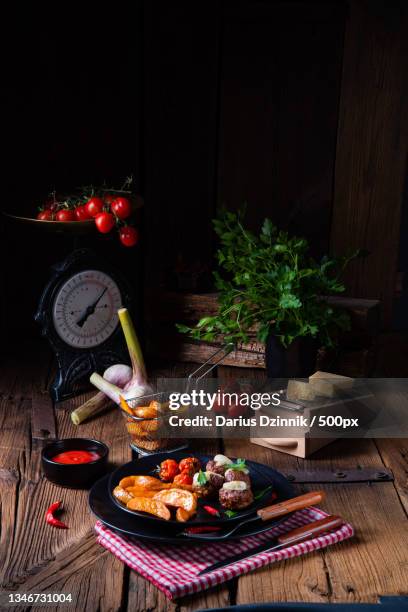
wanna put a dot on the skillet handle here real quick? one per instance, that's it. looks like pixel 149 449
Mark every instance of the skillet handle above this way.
pixel 291 505
pixel 312 530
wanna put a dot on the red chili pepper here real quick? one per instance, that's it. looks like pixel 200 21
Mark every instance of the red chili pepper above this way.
pixel 211 510
pixel 50 518
pixel 201 529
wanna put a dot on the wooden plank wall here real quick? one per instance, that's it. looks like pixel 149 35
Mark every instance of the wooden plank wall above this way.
pixel 372 147
pixel 297 108
pixel 270 102
pixel 240 104
pixel 280 82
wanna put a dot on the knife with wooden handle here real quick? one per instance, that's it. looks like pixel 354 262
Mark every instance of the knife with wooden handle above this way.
pixel 264 514
pixel 291 505
pixel 300 534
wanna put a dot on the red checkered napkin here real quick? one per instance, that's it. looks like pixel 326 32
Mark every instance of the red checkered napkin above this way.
pixel 174 569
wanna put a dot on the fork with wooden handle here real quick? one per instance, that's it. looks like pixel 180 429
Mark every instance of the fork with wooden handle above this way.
pixel 263 514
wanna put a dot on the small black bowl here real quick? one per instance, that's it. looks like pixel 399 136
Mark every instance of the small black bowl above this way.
pixel 74 476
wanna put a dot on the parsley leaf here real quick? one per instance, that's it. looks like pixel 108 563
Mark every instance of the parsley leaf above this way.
pixel 230 513
pixel 269 282
pixel 202 479
pixel 239 465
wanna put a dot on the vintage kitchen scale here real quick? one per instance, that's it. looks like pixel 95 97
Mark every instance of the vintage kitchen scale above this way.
pixel 78 308
pixel 78 315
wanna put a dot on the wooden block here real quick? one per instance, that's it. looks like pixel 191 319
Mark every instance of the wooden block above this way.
pixel 169 307
pixel 298 447
pixel 172 307
pixel 303 441
pixel 176 347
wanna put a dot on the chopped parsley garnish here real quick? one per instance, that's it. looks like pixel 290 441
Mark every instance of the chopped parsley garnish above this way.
pixel 230 513
pixel 202 478
pixel 239 465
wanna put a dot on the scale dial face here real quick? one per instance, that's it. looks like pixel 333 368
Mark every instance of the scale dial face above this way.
pixel 85 309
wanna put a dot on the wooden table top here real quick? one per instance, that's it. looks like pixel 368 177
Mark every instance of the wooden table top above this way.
pixel 35 558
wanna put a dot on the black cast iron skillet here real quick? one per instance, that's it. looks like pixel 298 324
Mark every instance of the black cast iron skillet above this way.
pixel 106 510
pixel 268 486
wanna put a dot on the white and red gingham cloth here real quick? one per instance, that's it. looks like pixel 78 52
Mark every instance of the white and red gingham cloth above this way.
pixel 174 569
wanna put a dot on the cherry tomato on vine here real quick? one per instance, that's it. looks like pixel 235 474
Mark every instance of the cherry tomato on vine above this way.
pixel 50 205
pixel 128 235
pixel 121 207
pixel 105 222
pixel 94 206
pixel 65 214
pixel 45 215
pixel 80 213
pixel 108 198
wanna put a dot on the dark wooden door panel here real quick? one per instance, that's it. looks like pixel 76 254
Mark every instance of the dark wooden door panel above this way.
pixel 280 79
pixel 372 147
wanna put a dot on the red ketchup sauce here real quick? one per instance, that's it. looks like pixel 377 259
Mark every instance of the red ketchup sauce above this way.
pixel 73 457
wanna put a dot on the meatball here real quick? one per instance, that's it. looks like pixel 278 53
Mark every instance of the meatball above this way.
pixel 207 490
pixel 216 469
pixel 236 500
pixel 231 475
pixel 216 480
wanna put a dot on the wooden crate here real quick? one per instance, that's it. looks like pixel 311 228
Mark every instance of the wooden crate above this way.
pixel 166 308
pixel 360 403
pixel 298 447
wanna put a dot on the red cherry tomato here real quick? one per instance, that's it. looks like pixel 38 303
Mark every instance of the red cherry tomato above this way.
pixel 168 470
pixel 66 214
pixel 121 207
pixel 128 235
pixel 94 206
pixel 105 222
pixel 50 205
pixel 184 478
pixel 45 215
pixel 80 213
pixel 190 465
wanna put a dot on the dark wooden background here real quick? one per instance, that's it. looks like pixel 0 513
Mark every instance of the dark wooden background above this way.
pixel 298 108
